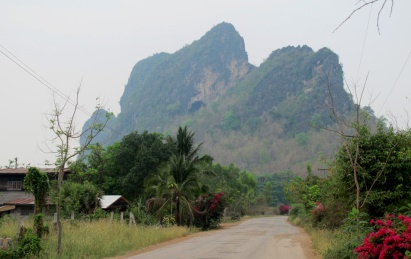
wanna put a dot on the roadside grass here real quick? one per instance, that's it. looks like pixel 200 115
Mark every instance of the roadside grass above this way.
pixel 322 240
pixel 97 239
pixel 330 243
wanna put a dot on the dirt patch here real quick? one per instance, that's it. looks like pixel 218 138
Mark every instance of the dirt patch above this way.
pixel 223 226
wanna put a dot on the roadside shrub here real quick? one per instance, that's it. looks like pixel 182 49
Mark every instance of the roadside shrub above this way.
pixel 209 210
pixel 351 234
pixel 168 221
pixel 391 238
pixel 284 209
pixel 317 213
pixel 297 210
pixel 28 246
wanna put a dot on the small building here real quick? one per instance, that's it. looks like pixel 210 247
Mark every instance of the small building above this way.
pixel 113 203
pixel 13 199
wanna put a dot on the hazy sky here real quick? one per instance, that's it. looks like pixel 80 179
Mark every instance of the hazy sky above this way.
pixel 98 42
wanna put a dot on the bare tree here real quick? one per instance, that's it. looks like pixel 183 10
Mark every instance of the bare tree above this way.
pixel 65 133
pixel 351 131
pixel 364 3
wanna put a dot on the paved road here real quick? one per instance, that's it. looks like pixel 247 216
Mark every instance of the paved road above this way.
pixel 258 238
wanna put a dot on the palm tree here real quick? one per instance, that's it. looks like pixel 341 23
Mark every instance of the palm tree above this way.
pixel 177 184
pixel 184 146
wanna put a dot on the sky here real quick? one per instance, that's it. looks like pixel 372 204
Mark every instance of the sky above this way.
pixel 96 43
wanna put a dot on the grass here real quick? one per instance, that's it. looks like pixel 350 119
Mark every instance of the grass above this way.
pixel 98 239
pixel 322 240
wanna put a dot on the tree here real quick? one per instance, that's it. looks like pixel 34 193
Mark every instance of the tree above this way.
pixel 138 156
pixel 81 198
pixel 365 3
pixel 178 185
pixel 184 146
pixel 65 134
pixel 37 183
pixel 178 182
pixel 384 165
pixel 268 193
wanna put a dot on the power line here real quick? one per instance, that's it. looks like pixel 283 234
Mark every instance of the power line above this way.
pixel 47 84
pixel 363 44
pixel 396 80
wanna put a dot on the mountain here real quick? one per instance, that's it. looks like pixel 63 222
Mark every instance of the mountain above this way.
pixel 260 118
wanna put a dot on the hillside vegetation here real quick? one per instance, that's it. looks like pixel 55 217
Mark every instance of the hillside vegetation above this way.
pixel 264 119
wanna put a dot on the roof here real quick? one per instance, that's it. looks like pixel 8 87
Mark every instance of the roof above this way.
pixel 18 198
pixel 21 201
pixel 7 208
pixel 108 200
pixel 23 171
pixel 6 197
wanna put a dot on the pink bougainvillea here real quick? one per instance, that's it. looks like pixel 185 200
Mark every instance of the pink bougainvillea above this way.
pixel 284 209
pixel 391 238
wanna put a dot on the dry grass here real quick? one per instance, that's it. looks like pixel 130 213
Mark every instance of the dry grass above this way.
pixel 322 240
pixel 98 239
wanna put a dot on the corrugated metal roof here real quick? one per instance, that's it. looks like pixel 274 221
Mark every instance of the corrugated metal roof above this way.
pixel 7 208
pixel 25 170
pixel 21 201
pixel 19 198
pixel 14 195
pixel 108 200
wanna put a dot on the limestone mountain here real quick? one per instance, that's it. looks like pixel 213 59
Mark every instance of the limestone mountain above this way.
pixel 260 118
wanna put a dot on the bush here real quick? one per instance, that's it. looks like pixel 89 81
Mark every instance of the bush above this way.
pixel 209 210
pixel 297 210
pixel 317 214
pixel 29 245
pixel 284 209
pixel 391 238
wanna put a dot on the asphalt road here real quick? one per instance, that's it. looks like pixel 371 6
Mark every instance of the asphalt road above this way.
pixel 270 237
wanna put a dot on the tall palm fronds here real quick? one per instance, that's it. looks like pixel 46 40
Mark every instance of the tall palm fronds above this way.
pixel 184 146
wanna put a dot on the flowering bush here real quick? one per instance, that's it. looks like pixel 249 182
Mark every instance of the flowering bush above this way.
pixel 391 238
pixel 318 213
pixel 284 209
pixel 208 210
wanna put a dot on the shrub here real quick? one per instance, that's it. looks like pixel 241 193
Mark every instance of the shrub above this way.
pixel 209 210
pixel 28 246
pixel 297 210
pixel 284 209
pixel 391 238
pixel 318 213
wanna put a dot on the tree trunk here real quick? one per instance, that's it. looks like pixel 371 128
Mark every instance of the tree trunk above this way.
pixel 58 209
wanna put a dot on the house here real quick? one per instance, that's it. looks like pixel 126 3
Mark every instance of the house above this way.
pixel 113 203
pixel 13 199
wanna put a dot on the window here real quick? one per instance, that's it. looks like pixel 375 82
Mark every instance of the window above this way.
pixel 14 185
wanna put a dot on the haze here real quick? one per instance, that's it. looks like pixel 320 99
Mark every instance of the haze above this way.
pixel 97 43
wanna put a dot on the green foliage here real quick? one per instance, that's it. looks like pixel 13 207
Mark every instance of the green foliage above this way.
pixel 169 220
pixel 28 246
pixel 301 138
pixel 268 193
pixel 141 215
pixel 231 121
pixel 82 198
pixel 297 210
pixel 383 170
pixel 178 182
pixel 210 209
pixel 37 183
pixel 306 191
pixel 263 108
pixel 277 182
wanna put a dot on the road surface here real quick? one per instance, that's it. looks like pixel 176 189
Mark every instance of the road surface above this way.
pixel 257 238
